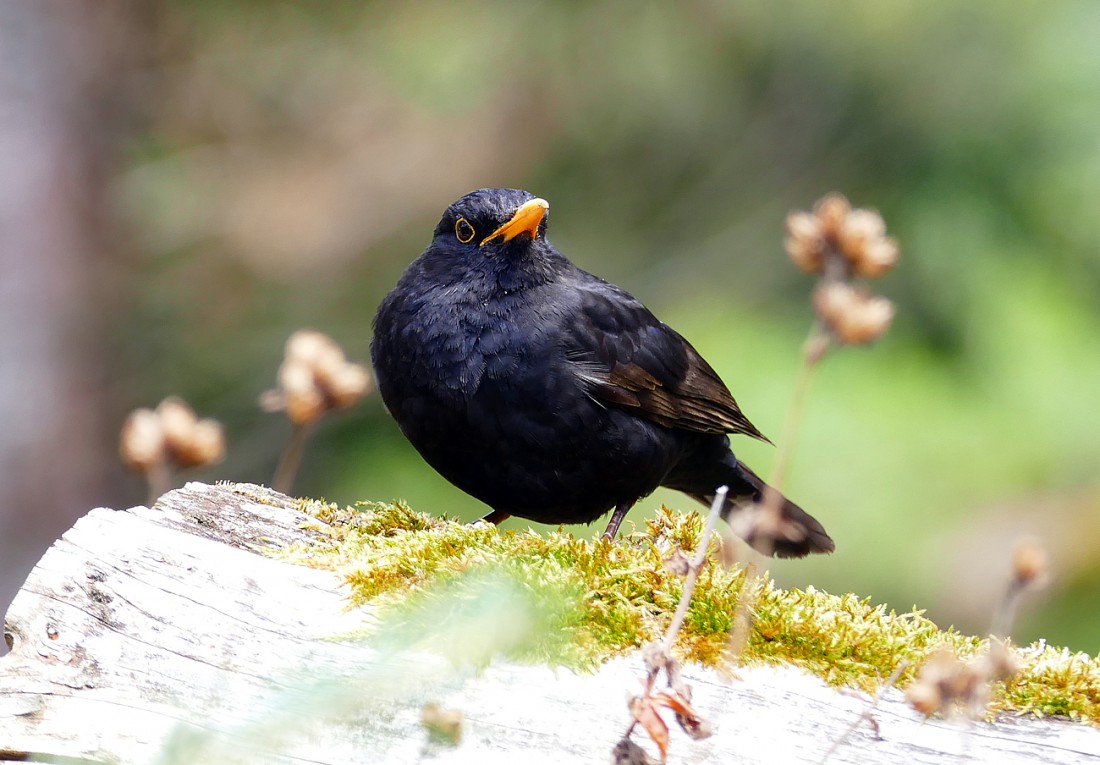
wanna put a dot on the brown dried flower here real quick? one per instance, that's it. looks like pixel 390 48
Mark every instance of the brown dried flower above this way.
pixel 1001 663
pixel 863 242
pixel 875 257
pixel 946 684
pixel 171 436
pixel 854 316
pixel 942 679
pixel 854 241
pixel 312 348
pixel 177 420
pixel 301 397
pixel 832 210
pixel 189 441
pixel 805 242
pixel 1030 566
pixel 348 385
pixel 315 376
pixel 205 447
pixel 141 444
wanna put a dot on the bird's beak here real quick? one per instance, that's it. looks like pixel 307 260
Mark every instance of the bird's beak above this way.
pixel 526 220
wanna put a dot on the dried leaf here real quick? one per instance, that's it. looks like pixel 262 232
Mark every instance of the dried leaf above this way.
pixel 644 710
pixel 694 725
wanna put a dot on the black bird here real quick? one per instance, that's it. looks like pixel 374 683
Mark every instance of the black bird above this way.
pixel 550 394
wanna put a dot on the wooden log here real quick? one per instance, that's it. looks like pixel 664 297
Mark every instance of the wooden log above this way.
pixel 167 635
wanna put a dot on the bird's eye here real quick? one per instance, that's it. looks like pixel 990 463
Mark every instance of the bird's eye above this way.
pixel 463 230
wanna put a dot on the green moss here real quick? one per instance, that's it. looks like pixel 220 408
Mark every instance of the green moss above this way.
pixel 472 591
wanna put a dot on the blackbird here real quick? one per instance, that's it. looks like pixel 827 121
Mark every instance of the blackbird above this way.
pixel 548 393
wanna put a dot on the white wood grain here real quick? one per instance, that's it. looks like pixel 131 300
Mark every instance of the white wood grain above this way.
pixel 164 636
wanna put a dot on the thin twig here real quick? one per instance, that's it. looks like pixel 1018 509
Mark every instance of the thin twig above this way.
pixel 816 346
pixel 695 566
pixel 291 458
pixel 743 617
pixel 1005 614
pixel 159 478
pixel 866 714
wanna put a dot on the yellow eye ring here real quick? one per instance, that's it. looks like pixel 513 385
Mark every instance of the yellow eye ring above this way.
pixel 464 231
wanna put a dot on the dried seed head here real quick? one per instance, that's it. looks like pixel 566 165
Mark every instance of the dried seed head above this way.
pixel 876 257
pixel 141 444
pixel 206 446
pixel 805 242
pixel 832 210
pixel 863 243
pixel 315 376
pixel 1030 566
pixel 295 376
pixel 1001 662
pixel 925 698
pixel 348 385
pixel 309 345
pixel 301 398
pixel 173 434
pixel 178 422
pixel 851 241
pixel 934 689
pixel 868 322
pixel 860 226
pixel 946 684
pixel 328 364
pixel 853 316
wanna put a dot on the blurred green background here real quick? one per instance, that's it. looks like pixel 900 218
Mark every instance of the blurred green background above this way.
pixel 264 166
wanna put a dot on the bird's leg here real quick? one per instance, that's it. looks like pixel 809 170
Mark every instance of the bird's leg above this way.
pixel 616 519
pixel 496 517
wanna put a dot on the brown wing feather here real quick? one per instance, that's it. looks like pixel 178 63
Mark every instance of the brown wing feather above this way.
pixel 700 401
pixel 626 357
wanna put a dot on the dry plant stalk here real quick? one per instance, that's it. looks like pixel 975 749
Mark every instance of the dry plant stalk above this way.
pixel 314 379
pixel 645 708
pixel 946 685
pixel 868 713
pixel 157 442
pixel 837 244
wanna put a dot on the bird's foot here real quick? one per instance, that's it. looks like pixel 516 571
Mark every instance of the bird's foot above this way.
pixel 496 517
pixel 612 529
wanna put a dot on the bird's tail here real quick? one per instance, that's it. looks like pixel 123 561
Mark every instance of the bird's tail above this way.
pixel 782 528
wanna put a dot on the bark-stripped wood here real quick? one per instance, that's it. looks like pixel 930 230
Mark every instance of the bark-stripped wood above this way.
pixel 165 635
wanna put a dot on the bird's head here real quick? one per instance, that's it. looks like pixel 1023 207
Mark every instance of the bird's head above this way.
pixel 492 221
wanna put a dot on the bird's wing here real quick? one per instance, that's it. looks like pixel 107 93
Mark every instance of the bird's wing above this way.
pixel 626 357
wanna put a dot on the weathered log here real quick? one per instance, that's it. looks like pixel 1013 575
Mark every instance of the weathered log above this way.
pixel 167 635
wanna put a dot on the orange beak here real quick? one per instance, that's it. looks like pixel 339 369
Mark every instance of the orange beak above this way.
pixel 526 220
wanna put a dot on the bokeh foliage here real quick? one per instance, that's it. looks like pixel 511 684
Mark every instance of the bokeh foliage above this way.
pixel 292 158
